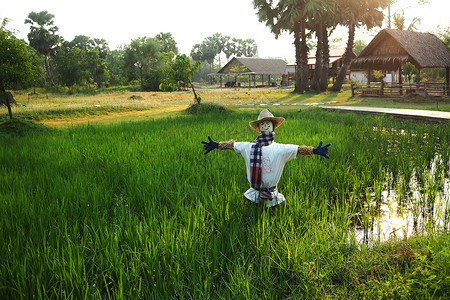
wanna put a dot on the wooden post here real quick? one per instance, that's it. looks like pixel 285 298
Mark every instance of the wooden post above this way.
pixel 382 88
pixel 369 77
pixel 353 89
pixel 447 75
pixel 400 80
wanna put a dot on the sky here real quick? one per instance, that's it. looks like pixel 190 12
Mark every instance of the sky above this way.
pixel 189 21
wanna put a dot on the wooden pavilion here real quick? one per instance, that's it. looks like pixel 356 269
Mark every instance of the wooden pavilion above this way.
pixel 251 67
pixel 390 49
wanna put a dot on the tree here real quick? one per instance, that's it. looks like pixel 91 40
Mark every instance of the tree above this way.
pixel 38 66
pixel 97 67
pixel 358 46
pixel 43 37
pixel 95 52
pixel 322 15
pixel 444 35
pixel 221 42
pixel 209 49
pixel 399 22
pixel 289 16
pixel 411 73
pixel 217 43
pixel 140 56
pixel 355 13
pixel 15 65
pixel 179 74
pixel 71 67
pixel 167 42
pixel 247 47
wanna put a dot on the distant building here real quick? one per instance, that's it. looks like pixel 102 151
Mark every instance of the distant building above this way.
pixel 251 67
pixel 335 63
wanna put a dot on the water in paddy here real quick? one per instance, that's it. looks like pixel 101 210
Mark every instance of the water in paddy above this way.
pixel 422 207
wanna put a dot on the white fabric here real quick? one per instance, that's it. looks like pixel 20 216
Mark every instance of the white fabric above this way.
pixel 274 157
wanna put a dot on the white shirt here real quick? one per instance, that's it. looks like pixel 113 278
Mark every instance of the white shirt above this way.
pixel 274 157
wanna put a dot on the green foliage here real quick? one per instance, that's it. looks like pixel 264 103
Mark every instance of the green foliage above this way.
pixel 153 79
pixel 167 42
pixel 411 73
pixel 42 34
pixel 358 46
pixel 444 35
pixel 43 37
pixel 216 44
pixel 15 62
pixel 72 67
pixel 179 73
pixel 116 67
pixel 140 56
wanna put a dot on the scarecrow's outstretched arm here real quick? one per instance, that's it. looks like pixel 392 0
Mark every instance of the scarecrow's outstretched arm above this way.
pixel 305 150
pixel 228 145
pixel 309 150
pixel 211 145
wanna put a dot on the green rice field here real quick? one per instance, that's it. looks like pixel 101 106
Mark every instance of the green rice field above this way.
pixel 135 210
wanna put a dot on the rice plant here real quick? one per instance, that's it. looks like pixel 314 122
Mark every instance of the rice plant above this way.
pixel 135 210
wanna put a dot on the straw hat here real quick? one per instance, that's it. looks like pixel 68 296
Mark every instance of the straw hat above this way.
pixel 266 115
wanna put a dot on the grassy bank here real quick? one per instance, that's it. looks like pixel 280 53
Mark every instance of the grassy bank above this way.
pixel 135 210
pixel 67 108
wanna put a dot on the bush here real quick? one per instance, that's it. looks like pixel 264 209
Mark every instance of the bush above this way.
pixel 152 80
pixel 204 108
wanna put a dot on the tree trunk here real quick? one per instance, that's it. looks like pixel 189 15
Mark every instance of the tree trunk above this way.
pixel 325 62
pixel 49 71
pixel 317 73
pixel 346 61
pixel 142 77
pixel 7 97
pixel 301 58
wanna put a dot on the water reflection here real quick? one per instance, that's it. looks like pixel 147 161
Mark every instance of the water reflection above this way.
pixel 423 208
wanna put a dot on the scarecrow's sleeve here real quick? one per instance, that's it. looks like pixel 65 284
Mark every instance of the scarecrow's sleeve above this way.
pixel 305 150
pixel 228 145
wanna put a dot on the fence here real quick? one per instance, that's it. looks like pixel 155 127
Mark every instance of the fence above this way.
pixel 383 89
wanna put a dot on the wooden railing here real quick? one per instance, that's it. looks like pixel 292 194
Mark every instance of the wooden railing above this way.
pixel 377 89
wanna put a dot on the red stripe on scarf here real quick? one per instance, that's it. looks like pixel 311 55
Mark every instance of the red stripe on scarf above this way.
pixel 256 175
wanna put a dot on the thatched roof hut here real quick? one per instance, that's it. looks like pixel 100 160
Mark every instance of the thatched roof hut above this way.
pixel 390 49
pixel 251 66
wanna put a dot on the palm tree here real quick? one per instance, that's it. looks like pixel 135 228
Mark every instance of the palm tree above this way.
pixel 399 22
pixel 43 37
pixel 167 42
pixel 322 18
pixel 290 16
pixel 355 13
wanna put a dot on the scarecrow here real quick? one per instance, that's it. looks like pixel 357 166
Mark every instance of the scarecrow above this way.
pixel 265 159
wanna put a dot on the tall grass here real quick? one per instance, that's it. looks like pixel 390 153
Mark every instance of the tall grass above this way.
pixel 136 210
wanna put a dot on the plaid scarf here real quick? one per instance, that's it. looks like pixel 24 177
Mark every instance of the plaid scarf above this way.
pixel 264 139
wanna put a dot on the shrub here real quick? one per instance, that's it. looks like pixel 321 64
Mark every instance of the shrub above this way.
pixel 203 108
